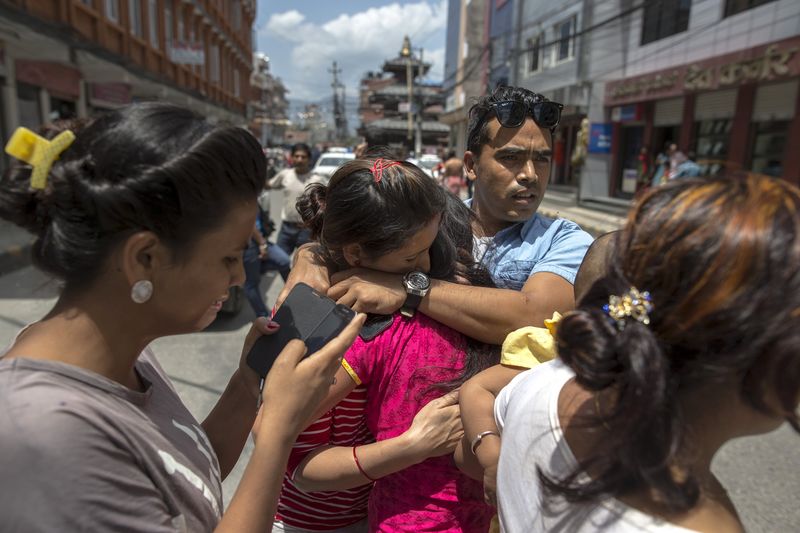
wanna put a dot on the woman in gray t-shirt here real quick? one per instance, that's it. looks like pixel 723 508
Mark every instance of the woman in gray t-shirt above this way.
pixel 143 214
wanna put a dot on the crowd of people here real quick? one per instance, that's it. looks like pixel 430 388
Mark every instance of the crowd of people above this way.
pixel 504 370
pixel 669 164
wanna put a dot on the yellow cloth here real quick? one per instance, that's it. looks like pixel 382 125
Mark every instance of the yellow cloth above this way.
pixel 529 346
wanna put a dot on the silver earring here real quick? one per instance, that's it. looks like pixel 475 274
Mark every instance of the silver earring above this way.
pixel 141 291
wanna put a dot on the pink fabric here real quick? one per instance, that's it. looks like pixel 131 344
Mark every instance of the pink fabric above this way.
pixel 398 367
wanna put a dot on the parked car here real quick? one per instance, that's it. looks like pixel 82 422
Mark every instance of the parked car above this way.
pixel 328 162
pixel 428 163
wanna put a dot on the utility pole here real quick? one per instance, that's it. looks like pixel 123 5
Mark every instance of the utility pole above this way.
pixel 420 106
pixel 406 52
pixel 339 117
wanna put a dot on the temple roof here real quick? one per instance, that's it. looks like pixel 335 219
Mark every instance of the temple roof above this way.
pixel 400 124
pixel 402 91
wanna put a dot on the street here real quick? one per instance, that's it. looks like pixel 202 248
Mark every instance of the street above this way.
pixel 759 472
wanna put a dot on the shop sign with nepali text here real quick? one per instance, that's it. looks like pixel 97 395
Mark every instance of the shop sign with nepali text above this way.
pixel 774 61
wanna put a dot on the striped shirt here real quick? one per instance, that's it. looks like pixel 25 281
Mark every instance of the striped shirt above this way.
pixel 344 425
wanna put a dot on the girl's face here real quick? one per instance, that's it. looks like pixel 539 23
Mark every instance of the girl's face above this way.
pixel 414 254
pixel 188 296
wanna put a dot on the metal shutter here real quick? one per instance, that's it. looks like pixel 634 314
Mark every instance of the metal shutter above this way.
pixel 719 104
pixel 668 112
pixel 775 102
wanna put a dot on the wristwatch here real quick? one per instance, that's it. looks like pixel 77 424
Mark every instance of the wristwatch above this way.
pixel 416 284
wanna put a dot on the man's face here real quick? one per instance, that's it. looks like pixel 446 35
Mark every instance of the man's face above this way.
pixel 300 161
pixel 511 173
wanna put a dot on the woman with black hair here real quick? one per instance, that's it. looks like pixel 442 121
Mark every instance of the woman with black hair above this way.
pixel 143 214
pixel 390 216
pixel 691 340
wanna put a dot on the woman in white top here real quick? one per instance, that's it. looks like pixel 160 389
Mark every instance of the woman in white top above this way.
pixel 619 433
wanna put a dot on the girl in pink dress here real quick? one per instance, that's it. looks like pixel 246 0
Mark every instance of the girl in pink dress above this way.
pixel 389 216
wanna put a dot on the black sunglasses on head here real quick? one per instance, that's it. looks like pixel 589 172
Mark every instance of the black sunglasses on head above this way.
pixel 512 113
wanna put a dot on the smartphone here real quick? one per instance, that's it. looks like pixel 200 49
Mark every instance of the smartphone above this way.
pixel 306 315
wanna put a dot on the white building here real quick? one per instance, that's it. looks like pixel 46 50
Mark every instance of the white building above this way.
pixel 717 77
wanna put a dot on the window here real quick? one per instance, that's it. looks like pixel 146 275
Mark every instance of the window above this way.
pixel 711 144
pixel 135 12
pixel 663 18
pixel 236 15
pixel 167 25
pixel 152 23
pixel 112 10
pixel 180 27
pixel 535 53
pixel 564 47
pixel 498 51
pixel 236 81
pixel 733 7
pixel 769 146
pixel 213 61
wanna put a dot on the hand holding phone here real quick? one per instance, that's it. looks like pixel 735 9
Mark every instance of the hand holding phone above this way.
pixel 306 315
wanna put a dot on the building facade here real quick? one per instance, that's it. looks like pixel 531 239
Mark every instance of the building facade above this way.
pixel 550 58
pixel 500 30
pixel 719 78
pixel 466 65
pixel 71 58
pixel 398 111
pixel 268 108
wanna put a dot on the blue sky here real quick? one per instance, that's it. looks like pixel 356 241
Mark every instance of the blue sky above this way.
pixel 303 37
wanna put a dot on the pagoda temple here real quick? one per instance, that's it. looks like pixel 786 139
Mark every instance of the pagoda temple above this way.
pixel 387 119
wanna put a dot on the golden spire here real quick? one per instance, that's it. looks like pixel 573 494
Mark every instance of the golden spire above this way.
pixel 406 51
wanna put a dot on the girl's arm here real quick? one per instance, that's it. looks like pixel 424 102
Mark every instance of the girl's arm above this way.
pixel 477 414
pixel 435 431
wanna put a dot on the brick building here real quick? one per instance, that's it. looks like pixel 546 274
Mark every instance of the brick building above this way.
pixel 268 112
pixel 64 58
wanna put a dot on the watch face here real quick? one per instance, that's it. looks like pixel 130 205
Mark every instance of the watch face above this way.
pixel 417 281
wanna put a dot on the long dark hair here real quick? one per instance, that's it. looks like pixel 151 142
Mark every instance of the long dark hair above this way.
pixel 720 258
pixel 149 166
pixel 379 216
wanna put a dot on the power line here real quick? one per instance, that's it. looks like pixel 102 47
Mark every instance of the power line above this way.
pixel 516 53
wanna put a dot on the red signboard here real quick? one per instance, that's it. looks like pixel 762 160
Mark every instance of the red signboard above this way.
pixel 61 80
pixel 774 61
pixel 109 94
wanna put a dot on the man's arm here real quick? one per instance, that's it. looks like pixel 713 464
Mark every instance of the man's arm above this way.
pixel 483 313
pixel 307 268
pixel 276 181
pixel 489 314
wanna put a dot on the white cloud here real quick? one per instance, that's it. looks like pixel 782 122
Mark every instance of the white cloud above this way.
pixel 287 25
pixel 358 42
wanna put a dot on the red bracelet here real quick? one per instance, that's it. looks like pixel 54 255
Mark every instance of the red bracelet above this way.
pixel 360 469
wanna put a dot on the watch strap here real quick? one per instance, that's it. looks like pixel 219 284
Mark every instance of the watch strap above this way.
pixel 410 305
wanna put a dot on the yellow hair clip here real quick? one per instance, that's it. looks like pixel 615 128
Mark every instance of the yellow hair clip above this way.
pixel 38 152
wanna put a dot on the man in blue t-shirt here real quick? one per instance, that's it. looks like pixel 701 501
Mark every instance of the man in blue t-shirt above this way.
pixel 532 259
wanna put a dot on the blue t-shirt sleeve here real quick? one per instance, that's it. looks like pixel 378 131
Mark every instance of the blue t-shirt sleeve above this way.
pixel 566 251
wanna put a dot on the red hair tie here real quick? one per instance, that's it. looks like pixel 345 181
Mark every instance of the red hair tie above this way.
pixel 379 166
